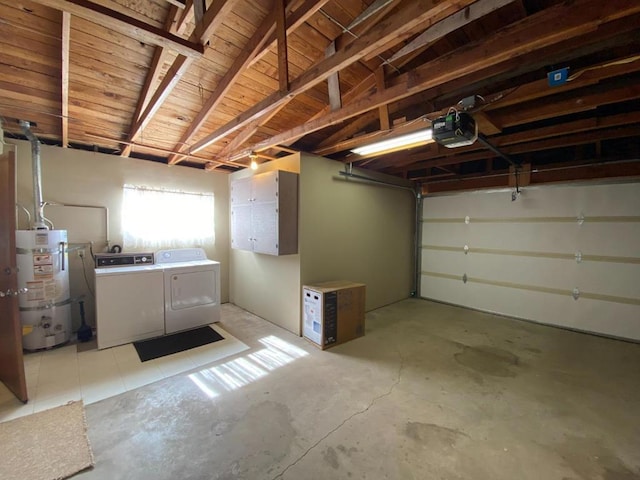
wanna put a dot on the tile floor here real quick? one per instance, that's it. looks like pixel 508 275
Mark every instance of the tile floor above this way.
pixel 81 371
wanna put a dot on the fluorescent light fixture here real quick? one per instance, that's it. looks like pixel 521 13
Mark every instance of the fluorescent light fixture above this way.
pixel 409 140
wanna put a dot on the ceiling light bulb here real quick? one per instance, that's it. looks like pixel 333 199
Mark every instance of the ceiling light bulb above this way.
pixel 413 139
pixel 254 162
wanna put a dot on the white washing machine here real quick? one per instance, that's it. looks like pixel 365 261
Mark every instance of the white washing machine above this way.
pixel 191 288
pixel 129 300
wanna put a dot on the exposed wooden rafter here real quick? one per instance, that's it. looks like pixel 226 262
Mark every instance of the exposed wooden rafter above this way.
pixel 283 56
pixel 396 29
pixel 499 50
pixel 66 36
pixel 333 82
pixel 126 25
pixel 177 3
pixel 398 64
pixel 450 24
pixel 247 132
pixel 212 19
pixel 185 17
pixel 300 15
pixel 255 44
pixel 547 174
pixel 152 80
pixel 431 34
pixel 383 110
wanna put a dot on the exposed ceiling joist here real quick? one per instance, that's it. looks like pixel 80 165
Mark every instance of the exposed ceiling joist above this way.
pixel 281 34
pixel 212 19
pixel 397 29
pixel 152 80
pixel 254 45
pixel 297 17
pixel 433 33
pixel 183 20
pixel 547 28
pixel 126 25
pixel 457 20
pixel 66 36
pixel 497 52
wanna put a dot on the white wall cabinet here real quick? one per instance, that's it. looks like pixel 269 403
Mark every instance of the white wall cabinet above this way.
pixel 264 213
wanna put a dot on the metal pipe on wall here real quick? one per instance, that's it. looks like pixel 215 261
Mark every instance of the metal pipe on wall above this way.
pixel 417 254
pixel 82 205
pixel 38 205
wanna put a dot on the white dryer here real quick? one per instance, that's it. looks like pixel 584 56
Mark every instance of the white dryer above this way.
pixel 191 288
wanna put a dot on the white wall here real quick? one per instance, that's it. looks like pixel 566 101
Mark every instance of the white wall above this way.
pixel 522 255
pixel 81 177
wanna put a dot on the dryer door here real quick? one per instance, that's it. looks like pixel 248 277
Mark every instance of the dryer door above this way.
pixel 192 289
pixel 192 298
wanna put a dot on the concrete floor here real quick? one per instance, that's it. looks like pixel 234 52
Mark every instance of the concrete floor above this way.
pixel 431 392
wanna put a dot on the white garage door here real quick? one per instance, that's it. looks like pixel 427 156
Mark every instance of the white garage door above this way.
pixel 560 255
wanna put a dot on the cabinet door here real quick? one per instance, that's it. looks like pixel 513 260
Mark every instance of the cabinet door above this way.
pixel 264 221
pixel 241 191
pixel 265 187
pixel 241 231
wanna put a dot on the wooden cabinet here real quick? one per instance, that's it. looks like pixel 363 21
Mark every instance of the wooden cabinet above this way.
pixel 264 213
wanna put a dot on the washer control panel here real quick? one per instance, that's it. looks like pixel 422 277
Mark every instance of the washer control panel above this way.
pixel 122 259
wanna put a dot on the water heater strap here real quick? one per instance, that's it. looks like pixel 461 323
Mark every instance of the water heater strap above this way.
pixel 47 306
pixel 24 251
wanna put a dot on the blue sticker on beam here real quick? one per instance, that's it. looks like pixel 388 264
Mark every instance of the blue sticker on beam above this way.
pixel 558 77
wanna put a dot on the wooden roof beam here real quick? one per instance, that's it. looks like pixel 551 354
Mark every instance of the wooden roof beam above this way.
pixel 498 52
pixel 212 19
pixel 580 138
pixel 298 14
pixel 432 34
pixel 248 131
pixel 283 56
pixel 296 18
pixel 177 3
pixel 128 26
pixel 397 29
pixel 383 110
pixel 584 77
pixel 180 65
pixel 150 83
pixel 254 45
pixel 66 35
pixel 457 20
pixel 579 100
pixel 186 16
pixel 265 37
pixel 548 174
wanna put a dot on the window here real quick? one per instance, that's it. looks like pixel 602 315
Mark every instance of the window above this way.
pixel 154 218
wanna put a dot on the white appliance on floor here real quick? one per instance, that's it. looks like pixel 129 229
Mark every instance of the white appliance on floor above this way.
pixel 43 274
pixel 191 288
pixel 129 299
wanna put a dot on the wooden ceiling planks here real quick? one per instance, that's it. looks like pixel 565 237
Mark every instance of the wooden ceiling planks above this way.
pixel 109 73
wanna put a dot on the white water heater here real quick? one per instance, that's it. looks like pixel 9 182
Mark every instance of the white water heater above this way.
pixel 45 308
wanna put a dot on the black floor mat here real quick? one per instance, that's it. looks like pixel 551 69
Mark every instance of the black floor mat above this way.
pixel 174 343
